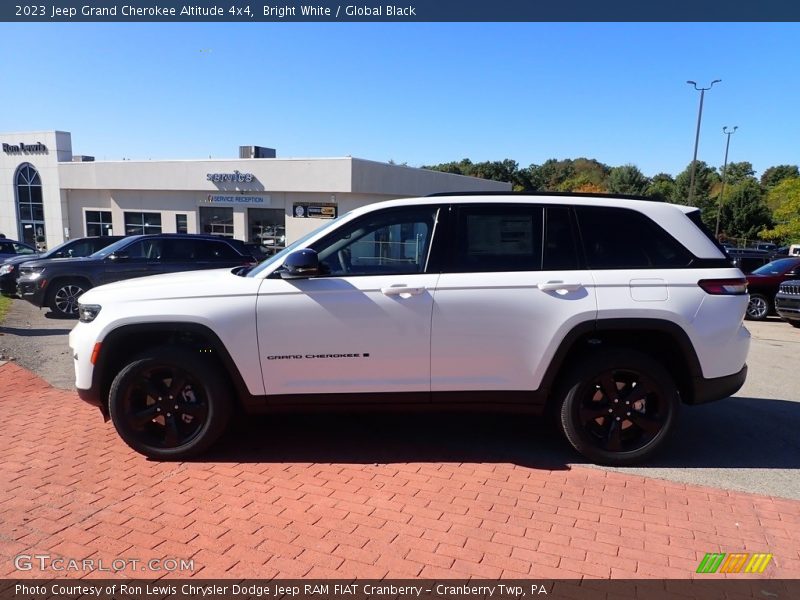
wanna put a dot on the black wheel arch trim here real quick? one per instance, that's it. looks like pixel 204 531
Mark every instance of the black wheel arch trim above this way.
pixel 98 393
pixel 623 325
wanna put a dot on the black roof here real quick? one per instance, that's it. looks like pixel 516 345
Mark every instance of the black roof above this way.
pixel 557 194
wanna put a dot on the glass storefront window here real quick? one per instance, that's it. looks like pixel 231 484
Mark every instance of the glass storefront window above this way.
pixel 181 224
pixel 137 223
pixel 98 223
pixel 217 220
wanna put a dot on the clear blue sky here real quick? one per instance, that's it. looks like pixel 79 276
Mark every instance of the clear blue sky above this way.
pixel 415 93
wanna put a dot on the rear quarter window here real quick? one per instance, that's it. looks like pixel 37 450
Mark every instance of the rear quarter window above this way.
pixel 621 238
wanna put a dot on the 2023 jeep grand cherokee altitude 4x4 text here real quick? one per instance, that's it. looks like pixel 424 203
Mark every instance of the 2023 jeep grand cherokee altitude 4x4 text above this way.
pixel 609 311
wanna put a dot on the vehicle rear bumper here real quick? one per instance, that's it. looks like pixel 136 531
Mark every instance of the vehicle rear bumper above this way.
pixel 710 390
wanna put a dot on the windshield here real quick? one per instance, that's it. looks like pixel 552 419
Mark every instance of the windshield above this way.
pixel 55 250
pixel 777 267
pixel 292 247
pixel 112 248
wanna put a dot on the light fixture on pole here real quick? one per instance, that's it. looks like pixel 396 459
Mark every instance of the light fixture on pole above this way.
pixel 724 175
pixel 697 134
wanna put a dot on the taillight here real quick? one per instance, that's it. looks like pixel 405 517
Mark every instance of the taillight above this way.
pixel 724 287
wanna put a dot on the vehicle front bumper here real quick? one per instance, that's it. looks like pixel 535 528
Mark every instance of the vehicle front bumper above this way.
pixel 787 307
pixel 32 290
pixel 8 284
pixel 82 341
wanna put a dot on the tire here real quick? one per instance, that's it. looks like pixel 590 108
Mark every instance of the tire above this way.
pixel 757 308
pixel 63 298
pixel 598 423
pixel 795 324
pixel 144 395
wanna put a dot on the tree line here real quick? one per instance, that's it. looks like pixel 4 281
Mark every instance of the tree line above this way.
pixel 752 208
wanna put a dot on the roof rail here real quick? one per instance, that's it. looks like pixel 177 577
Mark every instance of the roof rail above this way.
pixel 557 194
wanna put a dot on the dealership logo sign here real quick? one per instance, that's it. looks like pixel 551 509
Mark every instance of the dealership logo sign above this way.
pixel 236 177
pixel 37 148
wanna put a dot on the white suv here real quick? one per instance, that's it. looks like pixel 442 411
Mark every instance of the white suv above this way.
pixel 610 311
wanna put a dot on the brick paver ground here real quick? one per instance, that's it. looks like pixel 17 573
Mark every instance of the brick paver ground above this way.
pixel 69 487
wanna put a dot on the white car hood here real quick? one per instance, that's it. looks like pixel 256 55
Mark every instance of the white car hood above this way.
pixel 187 284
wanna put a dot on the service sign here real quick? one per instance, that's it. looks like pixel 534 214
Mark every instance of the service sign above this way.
pixel 237 199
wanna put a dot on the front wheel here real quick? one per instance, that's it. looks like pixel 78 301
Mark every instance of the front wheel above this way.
pixel 757 308
pixel 618 408
pixel 169 404
pixel 65 295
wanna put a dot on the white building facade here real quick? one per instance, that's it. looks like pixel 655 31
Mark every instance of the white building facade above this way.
pixel 47 195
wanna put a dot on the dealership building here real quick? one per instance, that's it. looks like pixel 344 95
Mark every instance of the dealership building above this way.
pixel 48 194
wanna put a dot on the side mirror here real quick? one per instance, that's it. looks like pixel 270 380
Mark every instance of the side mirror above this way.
pixel 301 264
pixel 118 256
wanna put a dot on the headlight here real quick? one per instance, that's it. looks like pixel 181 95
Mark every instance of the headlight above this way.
pixel 6 269
pixel 88 312
pixel 32 272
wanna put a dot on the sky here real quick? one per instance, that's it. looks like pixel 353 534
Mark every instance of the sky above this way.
pixel 415 93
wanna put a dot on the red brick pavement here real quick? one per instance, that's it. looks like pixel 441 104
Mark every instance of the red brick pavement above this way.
pixel 69 487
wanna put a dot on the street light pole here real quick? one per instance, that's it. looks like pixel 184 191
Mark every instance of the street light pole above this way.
pixel 697 134
pixel 724 174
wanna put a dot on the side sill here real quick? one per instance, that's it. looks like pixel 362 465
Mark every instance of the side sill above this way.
pixel 466 401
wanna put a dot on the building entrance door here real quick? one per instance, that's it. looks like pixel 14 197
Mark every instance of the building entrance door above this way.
pixel 30 207
pixel 266 227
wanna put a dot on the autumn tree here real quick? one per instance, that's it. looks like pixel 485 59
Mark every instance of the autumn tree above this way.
pixel 787 213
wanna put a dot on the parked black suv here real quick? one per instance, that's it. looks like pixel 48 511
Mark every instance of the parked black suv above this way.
pixel 9 269
pixel 787 302
pixel 58 283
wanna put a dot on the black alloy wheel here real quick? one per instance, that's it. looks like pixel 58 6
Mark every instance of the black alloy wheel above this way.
pixel 619 407
pixel 169 404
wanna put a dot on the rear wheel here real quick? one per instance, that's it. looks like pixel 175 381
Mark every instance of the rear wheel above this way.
pixel 795 323
pixel 618 408
pixel 64 297
pixel 758 307
pixel 169 404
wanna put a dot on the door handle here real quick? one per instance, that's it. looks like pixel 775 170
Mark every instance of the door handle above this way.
pixel 400 289
pixel 558 286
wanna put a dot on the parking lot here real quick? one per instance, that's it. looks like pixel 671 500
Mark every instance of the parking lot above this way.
pixel 396 496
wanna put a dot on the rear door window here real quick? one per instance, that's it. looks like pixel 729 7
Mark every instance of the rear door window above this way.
pixel 497 238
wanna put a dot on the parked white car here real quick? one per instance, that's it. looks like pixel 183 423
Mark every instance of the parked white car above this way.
pixel 609 311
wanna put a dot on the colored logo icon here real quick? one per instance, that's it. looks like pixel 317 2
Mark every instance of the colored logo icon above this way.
pixel 734 563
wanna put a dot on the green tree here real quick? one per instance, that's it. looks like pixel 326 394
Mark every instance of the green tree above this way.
pixel 774 175
pixel 787 213
pixel 662 187
pixel 744 213
pixel 627 179
pixel 738 172
pixel 705 180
